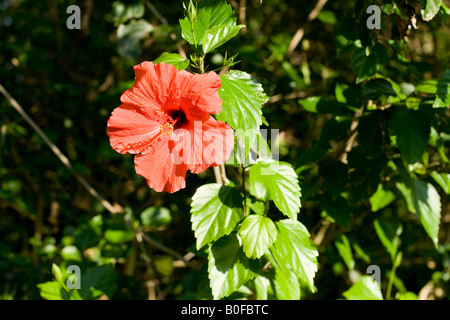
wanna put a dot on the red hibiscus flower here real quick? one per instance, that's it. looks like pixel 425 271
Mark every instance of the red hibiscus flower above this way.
pixel 165 120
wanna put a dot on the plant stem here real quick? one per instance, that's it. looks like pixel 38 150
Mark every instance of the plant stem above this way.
pixel 397 261
pixel 243 190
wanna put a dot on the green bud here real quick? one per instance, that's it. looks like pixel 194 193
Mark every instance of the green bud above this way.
pixel 191 11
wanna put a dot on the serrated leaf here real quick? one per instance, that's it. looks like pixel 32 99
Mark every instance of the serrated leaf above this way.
pixel 216 210
pixel 200 26
pixel 228 267
pixel 53 290
pixel 209 15
pixel 262 287
pixel 427 203
pixel 278 182
pixel 364 289
pixel 98 281
pixel 173 59
pixel 287 287
pixel 412 131
pixel 218 35
pixel 258 234
pixel 431 9
pixel 292 251
pixel 242 97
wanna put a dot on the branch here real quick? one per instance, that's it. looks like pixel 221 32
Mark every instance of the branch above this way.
pixel 107 205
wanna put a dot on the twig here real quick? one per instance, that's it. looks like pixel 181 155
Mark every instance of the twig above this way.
pixel 298 36
pixel 107 205
pixel 160 246
pixel 156 12
pixel 242 12
pixel 57 152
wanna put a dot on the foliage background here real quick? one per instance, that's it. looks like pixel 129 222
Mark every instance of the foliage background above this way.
pixel 70 80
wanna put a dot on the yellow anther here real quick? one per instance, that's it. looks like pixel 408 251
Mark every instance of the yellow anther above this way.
pixel 166 129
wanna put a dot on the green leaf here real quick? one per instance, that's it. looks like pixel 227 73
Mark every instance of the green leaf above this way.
pixel 216 210
pixel 155 217
pixel 218 35
pixel 276 181
pixel 443 88
pixel 228 267
pixel 262 287
pixel 57 273
pixel 365 289
pixel 71 253
pixel 119 236
pixel 431 9
pixel 345 251
pixel 129 36
pixel 370 135
pixel 443 179
pixel 242 97
pixel 87 237
pixel 412 131
pixel 98 281
pixel 388 232
pixel 292 251
pixel 173 59
pixel 375 88
pixel 122 13
pixel 286 287
pixel 327 16
pixel 209 14
pixel 427 204
pixel 381 198
pixel 427 86
pixel 258 234
pixel 53 290
pixel 322 105
pixel 366 65
pixel 338 209
pixel 200 25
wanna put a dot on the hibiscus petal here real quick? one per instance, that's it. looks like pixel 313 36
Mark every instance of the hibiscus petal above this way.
pixel 130 130
pixel 151 89
pixel 200 95
pixel 160 171
pixel 202 144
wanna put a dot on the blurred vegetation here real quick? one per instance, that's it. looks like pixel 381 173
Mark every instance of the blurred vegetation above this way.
pixel 69 81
